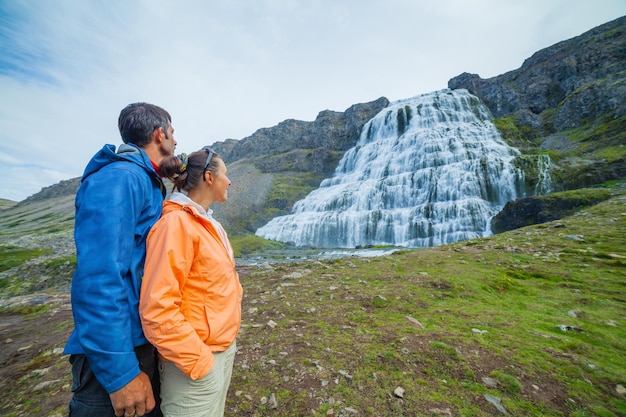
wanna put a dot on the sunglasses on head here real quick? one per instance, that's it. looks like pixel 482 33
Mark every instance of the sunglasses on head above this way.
pixel 208 158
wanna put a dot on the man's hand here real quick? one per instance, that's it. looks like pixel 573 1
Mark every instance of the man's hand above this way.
pixel 135 398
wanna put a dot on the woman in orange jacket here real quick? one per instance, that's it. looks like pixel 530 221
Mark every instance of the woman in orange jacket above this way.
pixel 190 301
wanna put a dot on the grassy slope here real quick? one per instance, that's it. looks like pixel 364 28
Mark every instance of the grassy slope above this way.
pixel 342 339
pixel 334 335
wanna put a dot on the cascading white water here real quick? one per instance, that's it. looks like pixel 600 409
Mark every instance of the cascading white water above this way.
pixel 425 171
pixel 544 180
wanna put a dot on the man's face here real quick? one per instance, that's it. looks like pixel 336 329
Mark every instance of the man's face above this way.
pixel 168 145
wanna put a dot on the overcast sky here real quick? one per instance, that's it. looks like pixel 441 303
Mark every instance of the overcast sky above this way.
pixel 224 69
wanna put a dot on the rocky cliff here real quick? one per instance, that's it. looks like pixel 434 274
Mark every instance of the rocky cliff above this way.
pixel 569 101
pixel 275 167
pixel 568 85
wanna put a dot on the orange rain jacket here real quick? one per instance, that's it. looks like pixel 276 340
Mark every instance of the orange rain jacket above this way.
pixel 190 303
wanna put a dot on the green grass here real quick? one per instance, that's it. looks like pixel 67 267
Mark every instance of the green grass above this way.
pixel 48 274
pixel 244 245
pixel 490 307
pixel 12 256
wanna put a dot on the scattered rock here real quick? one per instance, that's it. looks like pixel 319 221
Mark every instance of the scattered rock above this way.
pixel 45 384
pixel 567 328
pixel 416 322
pixel 441 412
pixel 40 372
pixel 489 382
pixel 272 402
pixel 346 375
pixel 399 392
pixel 497 402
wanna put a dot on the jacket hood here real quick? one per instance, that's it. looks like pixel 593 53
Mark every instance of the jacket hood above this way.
pixel 178 204
pixel 126 152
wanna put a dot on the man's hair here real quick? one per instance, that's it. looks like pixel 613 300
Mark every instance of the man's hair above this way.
pixel 138 121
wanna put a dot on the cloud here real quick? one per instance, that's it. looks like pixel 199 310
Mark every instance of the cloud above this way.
pixel 225 69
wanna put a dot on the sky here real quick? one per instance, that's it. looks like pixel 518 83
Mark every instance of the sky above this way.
pixel 224 69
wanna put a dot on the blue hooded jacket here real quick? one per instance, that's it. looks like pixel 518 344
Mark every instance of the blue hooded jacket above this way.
pixel 119 200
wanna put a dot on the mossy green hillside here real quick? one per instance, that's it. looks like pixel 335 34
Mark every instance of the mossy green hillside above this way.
pixel 536 310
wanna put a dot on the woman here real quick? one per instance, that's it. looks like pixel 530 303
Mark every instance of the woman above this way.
pixel 190 302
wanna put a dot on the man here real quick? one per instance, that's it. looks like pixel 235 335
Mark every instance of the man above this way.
pixel 114 368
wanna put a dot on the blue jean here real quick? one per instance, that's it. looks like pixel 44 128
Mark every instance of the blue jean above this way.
pixel 90 399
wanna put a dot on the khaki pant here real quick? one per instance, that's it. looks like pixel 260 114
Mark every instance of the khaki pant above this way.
pixel 206 397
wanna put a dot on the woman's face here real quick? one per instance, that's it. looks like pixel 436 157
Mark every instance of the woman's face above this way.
pixel 220 182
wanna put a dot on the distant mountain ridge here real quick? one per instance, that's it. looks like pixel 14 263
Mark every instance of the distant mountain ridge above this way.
pixel 567 101
pixel 60 189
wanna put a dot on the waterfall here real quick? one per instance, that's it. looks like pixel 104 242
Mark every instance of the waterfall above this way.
pixel 425 171
pixel 544 177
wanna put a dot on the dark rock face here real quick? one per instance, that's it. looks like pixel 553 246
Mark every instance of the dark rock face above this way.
pixel 330 131
pixel 541 209
pixel 582 79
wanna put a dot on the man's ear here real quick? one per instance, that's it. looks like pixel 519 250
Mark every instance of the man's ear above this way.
pixel 156 135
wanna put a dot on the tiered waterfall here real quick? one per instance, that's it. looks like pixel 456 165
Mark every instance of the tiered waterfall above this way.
pixel 425 171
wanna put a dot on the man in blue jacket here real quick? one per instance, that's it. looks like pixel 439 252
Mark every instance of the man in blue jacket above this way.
pixel 114 368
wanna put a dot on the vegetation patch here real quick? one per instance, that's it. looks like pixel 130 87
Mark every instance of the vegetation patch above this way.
pixel 245 245
pixel 12 256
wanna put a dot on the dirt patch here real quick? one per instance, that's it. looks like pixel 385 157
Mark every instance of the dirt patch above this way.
pixel 33 369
